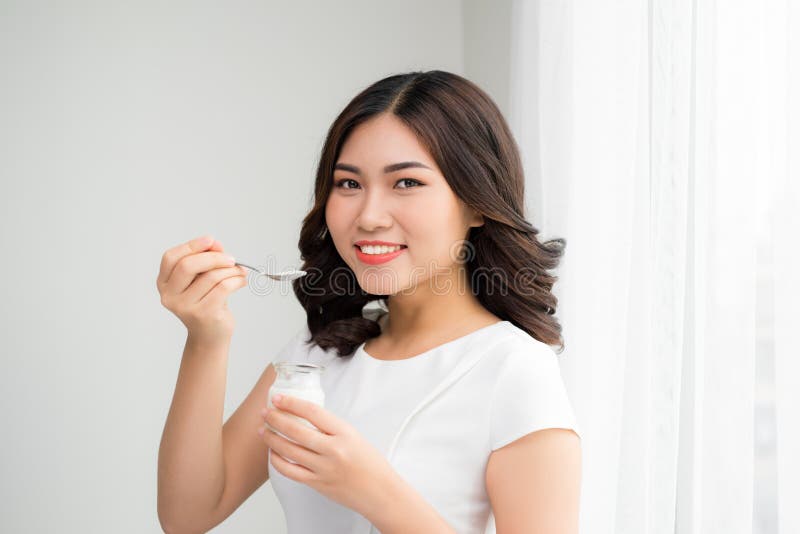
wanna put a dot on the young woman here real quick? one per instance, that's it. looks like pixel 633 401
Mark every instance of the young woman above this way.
pixel 445 407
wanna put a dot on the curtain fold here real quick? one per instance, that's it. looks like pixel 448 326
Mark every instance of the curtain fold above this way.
pixel 659 139
pixel 783 78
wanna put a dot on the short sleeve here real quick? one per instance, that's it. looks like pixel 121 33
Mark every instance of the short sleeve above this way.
pixel 529 395
pixel 296 348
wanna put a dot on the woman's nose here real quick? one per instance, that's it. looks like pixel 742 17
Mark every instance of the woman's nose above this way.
pixel 374 213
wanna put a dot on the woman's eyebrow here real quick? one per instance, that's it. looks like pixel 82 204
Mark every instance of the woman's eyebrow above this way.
pixel 389 168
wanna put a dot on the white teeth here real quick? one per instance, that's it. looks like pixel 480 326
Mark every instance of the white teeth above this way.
pixel 382 249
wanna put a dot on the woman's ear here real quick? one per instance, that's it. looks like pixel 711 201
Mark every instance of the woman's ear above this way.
pixel 477 218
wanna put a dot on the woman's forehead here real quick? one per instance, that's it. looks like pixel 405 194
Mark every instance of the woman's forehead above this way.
pixel 382 141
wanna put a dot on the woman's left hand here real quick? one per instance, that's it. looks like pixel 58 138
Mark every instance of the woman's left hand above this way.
pixel 336 460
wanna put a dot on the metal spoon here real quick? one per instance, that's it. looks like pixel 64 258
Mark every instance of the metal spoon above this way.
pixel 291 274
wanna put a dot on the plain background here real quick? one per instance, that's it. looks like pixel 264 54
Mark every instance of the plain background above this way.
pixel 126 129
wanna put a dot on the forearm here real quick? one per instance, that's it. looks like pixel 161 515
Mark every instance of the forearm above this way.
pixel 402 510
pixel 191 466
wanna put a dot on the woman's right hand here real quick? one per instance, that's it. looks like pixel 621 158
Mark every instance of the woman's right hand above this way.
pixel 194 281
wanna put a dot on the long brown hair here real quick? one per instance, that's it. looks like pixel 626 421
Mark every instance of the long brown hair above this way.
pixel 468 138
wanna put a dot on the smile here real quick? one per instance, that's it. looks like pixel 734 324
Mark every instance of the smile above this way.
pixel 371 258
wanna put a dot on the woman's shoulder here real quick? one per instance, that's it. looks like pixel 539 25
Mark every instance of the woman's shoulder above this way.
pixel 529 392
pixel 513 344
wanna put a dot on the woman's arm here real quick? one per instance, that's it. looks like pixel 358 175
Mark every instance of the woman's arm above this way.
pixel 191 469
pixel 402 510
pixel 534 483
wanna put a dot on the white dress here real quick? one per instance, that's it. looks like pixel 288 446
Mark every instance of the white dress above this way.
pixel 436 417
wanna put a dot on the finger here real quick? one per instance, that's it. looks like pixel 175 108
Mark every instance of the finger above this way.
pixel 216 296
pixel 206 282
pixel 295 472
pixel 325 421
pixel 194 264
pixel 291 450
pixel 173 255
pixel 288 425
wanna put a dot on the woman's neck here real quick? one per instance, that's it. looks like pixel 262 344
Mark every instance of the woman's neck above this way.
pixel 432 318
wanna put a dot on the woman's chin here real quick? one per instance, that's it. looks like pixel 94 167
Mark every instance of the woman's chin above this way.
pixel 379 289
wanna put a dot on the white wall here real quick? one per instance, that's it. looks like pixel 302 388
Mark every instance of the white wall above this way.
pixel 127 128
pixel 488 47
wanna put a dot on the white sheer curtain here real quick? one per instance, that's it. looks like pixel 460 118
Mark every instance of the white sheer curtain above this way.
pixel 661 140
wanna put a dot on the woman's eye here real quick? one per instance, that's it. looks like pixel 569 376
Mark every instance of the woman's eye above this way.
pixel 409 180
pixel 341 182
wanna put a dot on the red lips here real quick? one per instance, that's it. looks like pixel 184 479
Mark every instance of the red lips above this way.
pixel 375 259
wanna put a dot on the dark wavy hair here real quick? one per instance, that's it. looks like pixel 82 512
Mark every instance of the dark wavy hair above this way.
pixel 468 138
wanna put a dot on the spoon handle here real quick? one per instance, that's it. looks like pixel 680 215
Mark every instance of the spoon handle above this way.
pixel 251 268
pixel 286 275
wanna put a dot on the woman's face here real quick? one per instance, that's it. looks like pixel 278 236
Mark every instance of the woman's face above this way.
pixel 411 206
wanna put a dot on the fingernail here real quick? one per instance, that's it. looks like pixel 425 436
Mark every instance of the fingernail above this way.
pixel 264 411
pixel 276 398
pixel 261 431
pixel 206 240
pixel 230 259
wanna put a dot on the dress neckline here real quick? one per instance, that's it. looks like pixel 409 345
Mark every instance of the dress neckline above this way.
pixel 422 355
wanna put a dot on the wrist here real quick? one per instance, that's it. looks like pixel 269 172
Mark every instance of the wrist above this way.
pixel 199 342
pixel 399 508
pixel 386 497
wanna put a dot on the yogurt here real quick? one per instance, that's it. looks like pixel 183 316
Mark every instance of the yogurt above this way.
pixel 301 380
